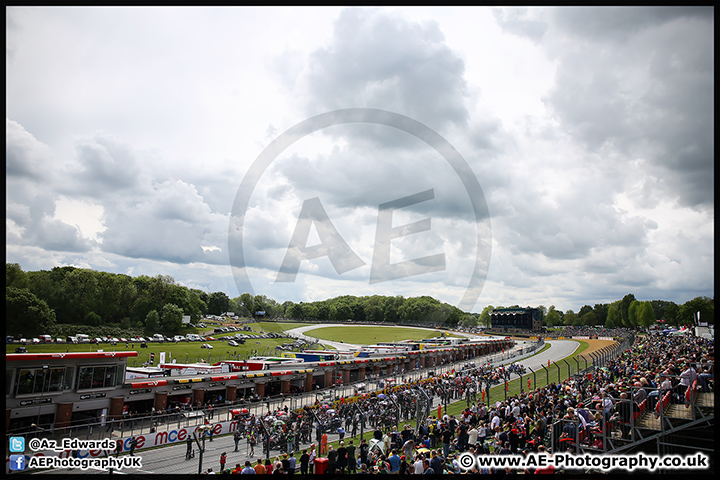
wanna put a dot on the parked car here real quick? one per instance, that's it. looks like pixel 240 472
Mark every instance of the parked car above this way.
pixel 206 345
pixel 232 343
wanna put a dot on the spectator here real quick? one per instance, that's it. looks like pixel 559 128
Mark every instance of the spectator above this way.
pixel 351 458
pixel 292 463
pixel 342 459
pixel 332 460
pixel 304 462
pixel 395 461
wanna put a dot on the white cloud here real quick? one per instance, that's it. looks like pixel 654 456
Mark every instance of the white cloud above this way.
pixel 590 131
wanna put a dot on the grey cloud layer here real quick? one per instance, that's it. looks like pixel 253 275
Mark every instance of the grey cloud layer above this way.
pixel 610 190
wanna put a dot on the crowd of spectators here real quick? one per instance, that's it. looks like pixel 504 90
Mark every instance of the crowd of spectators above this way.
pixel 520 424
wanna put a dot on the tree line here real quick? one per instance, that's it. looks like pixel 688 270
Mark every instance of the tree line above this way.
pixel 39 302
pixel 627 312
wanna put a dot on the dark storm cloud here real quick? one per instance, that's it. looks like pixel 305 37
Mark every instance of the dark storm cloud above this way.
pixel 382 60
pixel 619 23
pixel 517 21
pixel 641 82
pixel 170 223
pixel 25 156
pixel 105 165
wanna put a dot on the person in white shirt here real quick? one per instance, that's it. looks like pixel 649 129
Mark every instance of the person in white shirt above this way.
pixel 607 404
pixel 687 377
pixel 482 433
pixel 495 422
pixel 311 461
pixel 418 465
pixel 472 436
pixel 515 410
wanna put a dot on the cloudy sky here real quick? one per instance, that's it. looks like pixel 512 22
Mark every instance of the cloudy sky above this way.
pixel 549 156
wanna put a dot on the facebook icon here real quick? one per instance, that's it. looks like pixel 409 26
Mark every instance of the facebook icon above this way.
pixel 17 462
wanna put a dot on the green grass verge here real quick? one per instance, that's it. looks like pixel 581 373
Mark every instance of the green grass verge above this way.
pixel 366 335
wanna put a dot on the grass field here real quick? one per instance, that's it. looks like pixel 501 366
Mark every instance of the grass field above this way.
pixel 370 335
pixel 182 352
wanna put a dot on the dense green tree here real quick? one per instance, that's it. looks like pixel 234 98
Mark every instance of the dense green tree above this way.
pixel 469 320
pixel 589 319
pixel 601 310
pixel 702 305
pixel 632 313
pixel 171 319
pixel 614 319
pixel 14 276
pixel 152 323
pixel 74 295
pixel 260 304
pixel 218 303
pixel 309 311
pixel 26 314
pixel 484 318
pixel 294 311
pixel 645 315
pixel 672 314
pixel 665 310
pixel 325 311
pixel 391 309
pixel 81 289
pixel 552 318
pixel 374 308
pixel 92 318
pixel 343 311
pixel 624 307
pixel 569 318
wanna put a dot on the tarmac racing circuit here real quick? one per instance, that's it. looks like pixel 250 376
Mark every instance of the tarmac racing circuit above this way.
pixel 558 350
pixel 170 459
